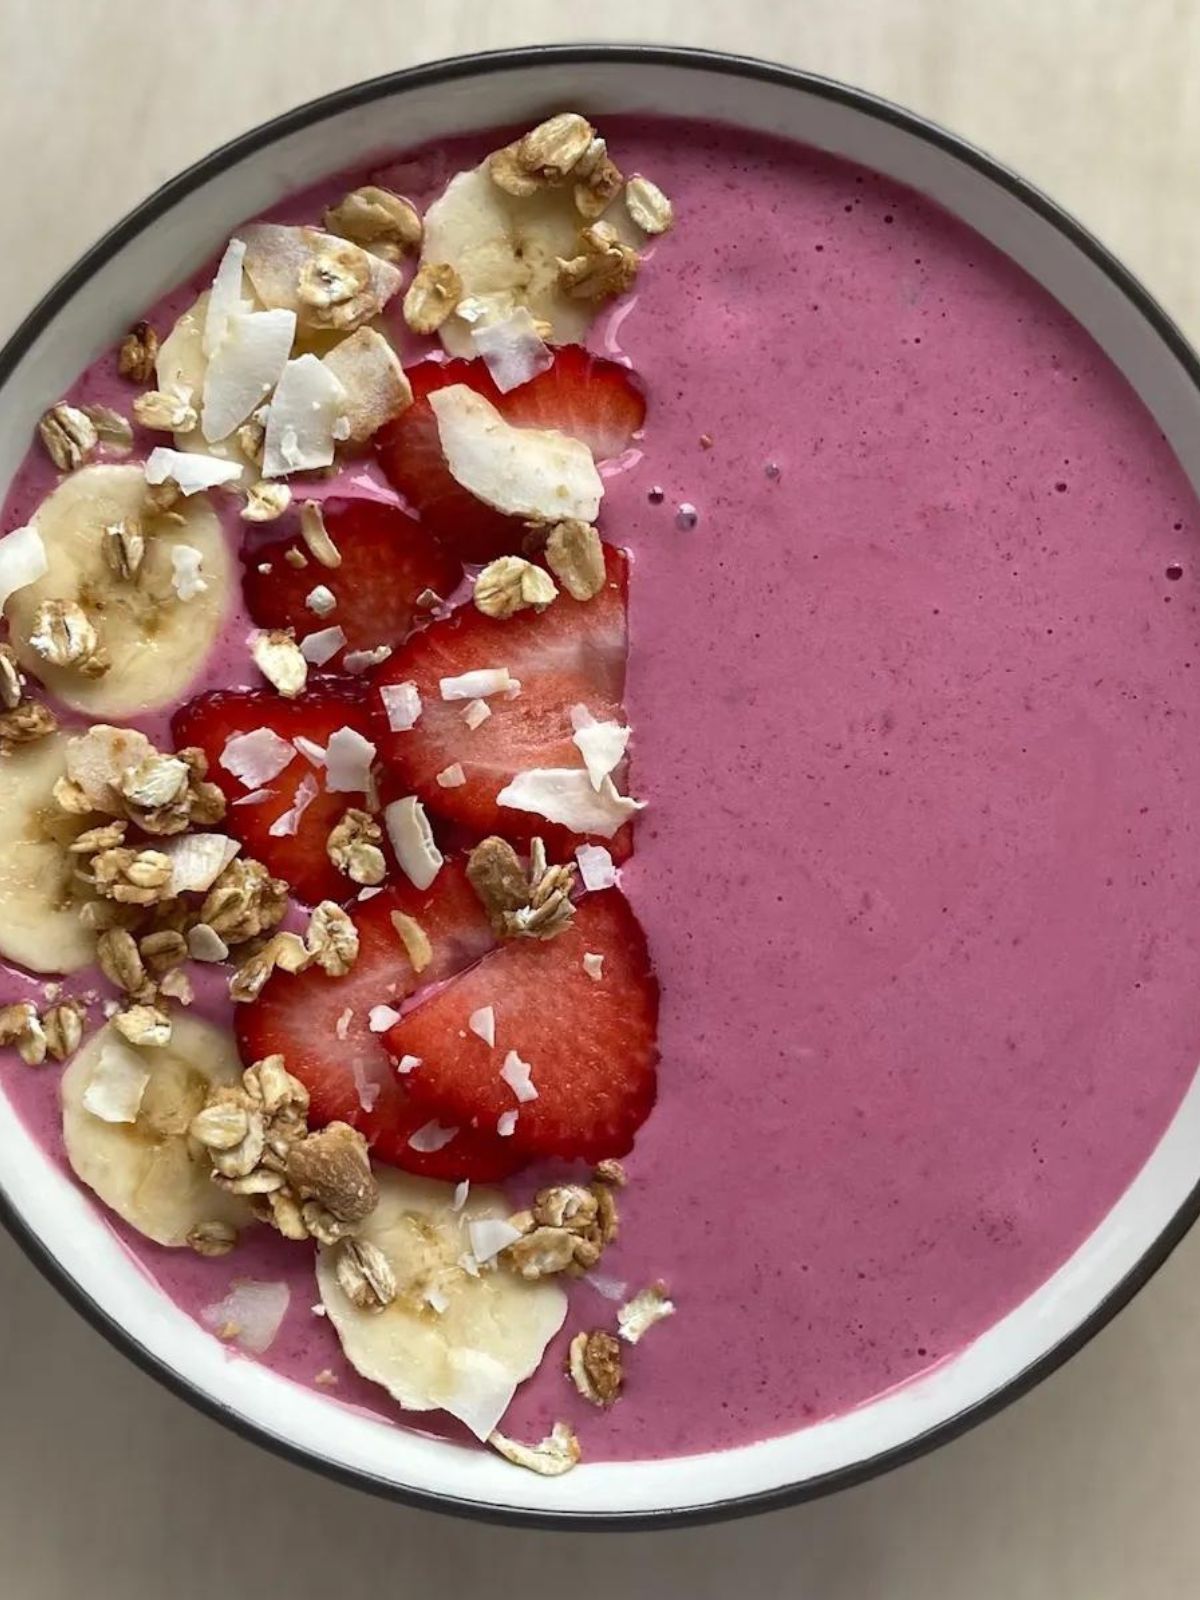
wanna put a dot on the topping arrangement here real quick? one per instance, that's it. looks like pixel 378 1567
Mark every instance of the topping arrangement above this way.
pixel 348 941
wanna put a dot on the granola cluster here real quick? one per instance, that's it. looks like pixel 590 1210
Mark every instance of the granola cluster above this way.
pixel 533 903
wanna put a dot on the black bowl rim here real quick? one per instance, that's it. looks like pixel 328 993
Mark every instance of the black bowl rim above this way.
pixel 550 56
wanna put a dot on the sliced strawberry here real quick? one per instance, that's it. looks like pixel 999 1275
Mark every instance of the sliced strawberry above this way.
pixel 388 559
pixel 591 1044
pixel 572 653
pixel 321 1027
pixel 211 720
pixel 581 394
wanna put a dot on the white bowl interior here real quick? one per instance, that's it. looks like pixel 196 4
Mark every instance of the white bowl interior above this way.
pixel 64 1220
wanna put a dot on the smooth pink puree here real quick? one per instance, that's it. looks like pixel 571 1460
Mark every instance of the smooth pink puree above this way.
pixel 912 706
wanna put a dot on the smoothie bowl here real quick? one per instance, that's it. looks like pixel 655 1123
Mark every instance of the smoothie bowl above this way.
pixel 595 871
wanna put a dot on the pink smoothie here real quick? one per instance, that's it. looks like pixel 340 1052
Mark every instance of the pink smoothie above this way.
pixel 911 703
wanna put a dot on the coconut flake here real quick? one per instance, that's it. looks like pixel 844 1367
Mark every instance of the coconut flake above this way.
pixel 483 1023
pixel 481 1392
pixel 348 758
pixel 341 1027
pixel 506 1124
pixel 322 646
pixel 431 1136
pixel 186 581
pixel 490 1235
pixel 190 470
pixel 476 713
pixel 461 1191
pixel 376 386
pixel 643 1311
pixel 517 1075
pixel 254 798
pixel 536 473
pixel 402 705
pixel 321 600
pixel 251 1314
pixel 198 860
pixel 22 561
pixel 512 349
pixel 256 757
pixel 365 1087
pixel 412 840
pixel 286 824
pixel 225 296
pixel 434 1298
pixel 478 684
pixel 205 943
pixel 406 1064
pixel 602 745
pixel 596 869
pixel 610 1288
pixel 565 795
pixel 593 965
pixel 302 418
pixel 118 1081
pixel 310 750
pixel 381 1018
pixel 452 777
pixel 244 368
pixel 363 660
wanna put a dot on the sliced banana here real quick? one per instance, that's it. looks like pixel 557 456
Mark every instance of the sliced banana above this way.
pixel 156 642
pixel 148 1171
pixel 492 1327
pixel 506 251
pixel 39 906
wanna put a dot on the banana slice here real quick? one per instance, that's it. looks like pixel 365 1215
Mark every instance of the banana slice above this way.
pixel 146 1170
pixel 39 907
pixel 506 250
pixel 155 641
pixel 450 1340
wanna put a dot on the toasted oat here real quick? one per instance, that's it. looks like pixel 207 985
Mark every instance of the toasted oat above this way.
pixel 556 1454
pixel 510 584
pixel 251 437
pixel 147 1026
pixel 163 951
pixel 134 877
pixel 555 147
pixel 533 904
pixel 212 1238
pixel 542 1252
pixel 353 847
pixel 155 782
pixel 277 656
pixel 12 679
pixel 597 180
pixel 332 1168
pixel 566 1230
pixel 64 635
pixel 334 285
pixel 575 556
pixel 121 963
pixel 63 1027
pixel 432 296
pixel 283 950
pixel 69 436
pixel 160 499
pixel 25 724
pixel 245 901
pixel 123 545
pixel 21 1026
pixel 316 535
pixel 647 205
pixel 265 501
pixel 111 428
pixel 176 985
pixel 640 1314
pixel 137 353
pixel 603 268
pixel 610 1172
pixel 332 939
pixel 414 939
pixel 378 218
pixel 364 1275
pixel 507 172
pixel 594 1364
pixel 166 411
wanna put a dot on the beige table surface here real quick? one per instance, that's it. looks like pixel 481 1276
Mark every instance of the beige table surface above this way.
pixel 111 1488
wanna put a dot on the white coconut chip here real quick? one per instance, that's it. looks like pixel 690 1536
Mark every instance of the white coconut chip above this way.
pixel 286 824
pixel 596 869
pixel 401 704
pixel 381 1018
pixel 341 1027
pixel 310 750
pixel 22 561
pixel 610 1288
pixel 482 1390
pixel 348 758
pixel 461 1191
pixel 302 418
pixel 407 1064
pixel 565 795
pixel 205 943
pixel 490 1235
pixel 186 562
pixel 363 660
pixel 477 713
pixel 256 757
pixel 320 647
pixel 376 387
pixel 251 1314
pixel 451 777
pixel 512 349
pixel 277 254
pixel 321 600
pixel 482 1023
pixel 536 473
pixel 254 798
pixel 646 1308
pixel 198 860
pixel 365 1087
pixel 225 297
pixel 517 1075
pixel 475 685
pixel 602 744
pixel 118 1081
pixel 412 840
pixel 506 1124
pixel 190 470
pixel 431 1136
pixel 593 965
pixel 244 368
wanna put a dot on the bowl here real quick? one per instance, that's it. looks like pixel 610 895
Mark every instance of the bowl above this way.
pixel 164 241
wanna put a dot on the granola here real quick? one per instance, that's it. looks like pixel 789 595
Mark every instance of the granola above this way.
pixel 533 904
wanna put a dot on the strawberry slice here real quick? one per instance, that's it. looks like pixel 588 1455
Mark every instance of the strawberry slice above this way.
pixel 388 559
pixel 321 1028
pixel 299 857
pixel 584 395
pixel 572 653
pixel 590 1044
